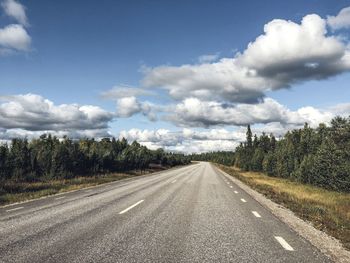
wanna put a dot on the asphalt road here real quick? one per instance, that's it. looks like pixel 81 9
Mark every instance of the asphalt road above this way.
pixel 190 214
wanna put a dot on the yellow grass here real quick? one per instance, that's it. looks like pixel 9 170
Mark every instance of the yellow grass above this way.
pixel 21 191
pixel 327 210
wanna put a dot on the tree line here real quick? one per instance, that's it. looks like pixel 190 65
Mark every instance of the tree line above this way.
pixel 319 156
pixel 49 157
pixel 221 157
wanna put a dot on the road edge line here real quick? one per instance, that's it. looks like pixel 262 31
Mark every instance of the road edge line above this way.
pixel 329 246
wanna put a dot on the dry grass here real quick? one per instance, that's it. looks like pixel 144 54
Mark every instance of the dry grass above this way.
pixel 11 192
pixel 328 211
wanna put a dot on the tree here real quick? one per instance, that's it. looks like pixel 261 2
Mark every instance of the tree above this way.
pixel 20 159
pixel 318 156
pixel 5 166
pixel 249 137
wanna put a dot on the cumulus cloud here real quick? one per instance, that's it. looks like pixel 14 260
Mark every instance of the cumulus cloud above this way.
pixel 14 37
pixel 286 53
pixel 193 112
pixel 186 140
pixel 16 10
pixel 34 113
pixel 196 113
pixel 342 109
pixel 129 106
pixel 8 134
pixel 290 52
pixel 190 140
pixel 123 91
pixel 128 103
pixel 342 20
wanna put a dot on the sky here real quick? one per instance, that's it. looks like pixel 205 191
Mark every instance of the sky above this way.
pixel 186 75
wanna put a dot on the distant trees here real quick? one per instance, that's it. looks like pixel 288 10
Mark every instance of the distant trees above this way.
pixel 318 156
pixel 223 157
pixel 48 158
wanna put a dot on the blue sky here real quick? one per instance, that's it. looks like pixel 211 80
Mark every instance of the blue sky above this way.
pixel 80 49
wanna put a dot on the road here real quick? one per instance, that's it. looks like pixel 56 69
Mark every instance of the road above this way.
pixel 190 214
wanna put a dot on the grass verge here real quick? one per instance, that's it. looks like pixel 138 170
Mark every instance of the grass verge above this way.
pixel 12 192
pixel 328 211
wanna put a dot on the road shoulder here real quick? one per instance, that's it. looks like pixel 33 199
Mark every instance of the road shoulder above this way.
pixel 328 245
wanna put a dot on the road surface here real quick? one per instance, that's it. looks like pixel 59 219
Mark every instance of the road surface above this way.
pixel 190 214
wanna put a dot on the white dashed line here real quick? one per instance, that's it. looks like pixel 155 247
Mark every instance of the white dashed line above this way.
pixel 231 186
pixel 131 207
pixel 256 214
pixel 243 200
pixel 235 192
pixel 284 243
pixel 174 181
pixel 58 198
pixel 14 209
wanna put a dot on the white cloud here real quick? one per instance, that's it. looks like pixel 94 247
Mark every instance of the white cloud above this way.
pixel 129 106
pixel 191 140
pixel 342 109
pixel 342 20
pixel 34 113
pixel 6 135
pixel 16 10
pixel 314 116
pixel 285 54
pixel 14 37
pixel 206 146
pixel 123 91
pixel 187 140
pixel 195 113
pixel 208 58
pixel 290 52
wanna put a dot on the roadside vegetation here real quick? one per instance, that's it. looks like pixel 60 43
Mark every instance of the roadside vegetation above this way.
pixel 327 210
pixel 223 157
pixel 48 165
pixel 307 171
pixel 319 157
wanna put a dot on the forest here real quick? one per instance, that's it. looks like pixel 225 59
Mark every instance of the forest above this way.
pixel 222 157
pixel 320 156
pixel 48 158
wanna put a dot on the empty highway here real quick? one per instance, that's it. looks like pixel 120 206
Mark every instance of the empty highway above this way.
pixel 189 214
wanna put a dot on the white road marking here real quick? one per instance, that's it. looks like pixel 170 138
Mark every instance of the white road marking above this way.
pixel 14 209
pixel 284 243
pixel 174 181
pixel 58 198
pixel 235 192
pixel 256 214
pixel 131 207
pixel 231 186
pixel 243 200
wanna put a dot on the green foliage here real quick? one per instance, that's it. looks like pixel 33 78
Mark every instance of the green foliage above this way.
pixel 48 158
pixel 319 156
pixel 223 157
